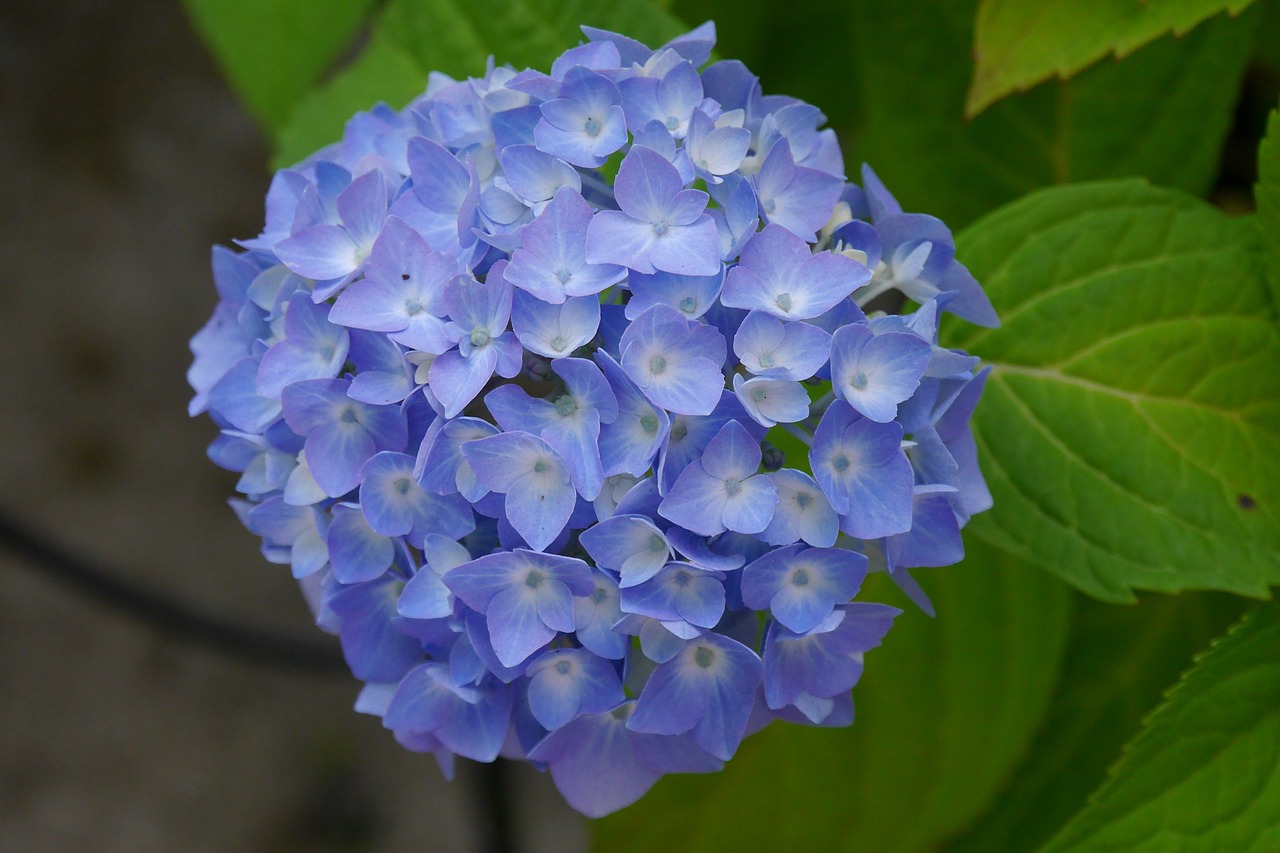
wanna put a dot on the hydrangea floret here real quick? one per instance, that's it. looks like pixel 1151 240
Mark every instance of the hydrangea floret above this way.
pixel 581 404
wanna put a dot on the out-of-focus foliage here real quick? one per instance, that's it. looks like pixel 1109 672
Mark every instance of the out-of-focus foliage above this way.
pixel 1203 774
pixel 954 706
pixel 1020 43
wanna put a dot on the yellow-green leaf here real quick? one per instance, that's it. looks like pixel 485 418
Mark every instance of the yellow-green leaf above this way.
pixel 1204 774
pixel 1019 43
pixel 1267 196
pixel 1130 431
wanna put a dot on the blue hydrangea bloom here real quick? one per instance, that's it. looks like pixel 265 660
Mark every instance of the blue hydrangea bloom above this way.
pixel 515 423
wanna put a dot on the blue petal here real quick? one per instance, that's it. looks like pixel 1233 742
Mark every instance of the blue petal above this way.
pixel 356 552
pixel 375 650
pixel 696 501
pixel 594 616
pixel 708 688
pixel 515 627
pixel 803 512
pixel 539 508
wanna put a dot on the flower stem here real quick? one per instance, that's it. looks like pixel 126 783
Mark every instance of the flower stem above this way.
pixel 798 433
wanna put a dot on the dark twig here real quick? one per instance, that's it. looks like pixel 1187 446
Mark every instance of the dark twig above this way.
pixel 493 792
pixel 158 611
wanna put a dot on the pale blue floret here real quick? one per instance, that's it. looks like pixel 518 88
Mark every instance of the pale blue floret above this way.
pixel 767 346
pixel 554 330
pixel 383 374
pixel 535 479
pixel 630 545
pixel 550 263
pixel 691 435
pixel 800 586
pixel 595 615
pixel 342 433
pixel 297 532
pixel 629 444
pixel 402 292
pixel 781 276
pixel 716 147
pixel 569 423
pixel 674 362
pixel 357 552
pixel 680 592
pixel 797 198
pixel 331 251
pixel 874 373
pixel 803 512
pixel 660 226
pixel 770 402
pixel 600 765
pixel 668 100
pixel 527 597
pixel 441 465
pixel 567 683
pixel 536 176
pixel 478 313
pixel 691 295
pixel 863 471
pixel 395 504
pixel 706 690
pixel 312 348
pixel 469 720
pixel 445 198
pixel 659 641
pixel 586 123
pixel 826 661
pixel 723 490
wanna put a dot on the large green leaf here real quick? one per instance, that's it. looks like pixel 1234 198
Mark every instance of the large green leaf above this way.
pixel 458 36
pixel 274 51
pixel 1019 43
pixel 945 709
pixel 383 72
pixel 1267 195
pixel 1119 663
pixel 1204 774
pixel 1130 431
pixel 1103 124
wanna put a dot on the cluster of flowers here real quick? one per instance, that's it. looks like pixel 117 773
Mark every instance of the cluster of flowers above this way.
pixel 498 376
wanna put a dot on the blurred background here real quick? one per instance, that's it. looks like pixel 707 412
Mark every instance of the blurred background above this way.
pixel 123 158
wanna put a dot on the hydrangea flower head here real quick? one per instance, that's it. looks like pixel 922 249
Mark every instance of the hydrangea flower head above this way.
pixel 515 424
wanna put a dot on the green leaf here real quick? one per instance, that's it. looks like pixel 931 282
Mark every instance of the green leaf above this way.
pixel 1119 663
pixel 458 36
pixel 1204 774
pixel 1019 43
pixel 274 51
pixel 944 710
pixel 1267 197
pixel 383 72
pixel 1130 431
pixel 1102 124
